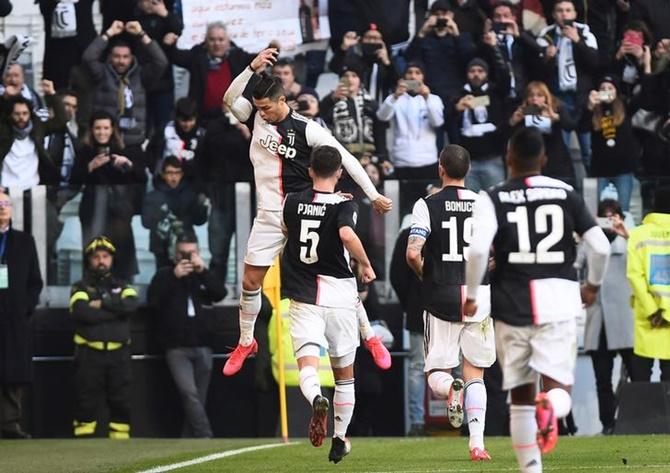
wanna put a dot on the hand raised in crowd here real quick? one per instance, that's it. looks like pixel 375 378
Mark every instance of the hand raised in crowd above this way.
pixel 517 116
pixel 489 38
pixel 549 112
pixel 513 28
pixel 341 91
pixel 464 102
pixel 96 303
pixel 571 32
pixel 48 87
pixel 423 91
pixel 383 55
pixel 428 26
pixel 452 27
pixel 183 268
pixel 170 39
pixel 400 89
pixel 593 100
pixel 158 8
pixel 382 204
pixel 646 59
pixel 114 29
pixel 619 226
pixel 198 263
pixel 122 162
pixel 98 161
pixel 265 58
pixel 623 5
pixel 11 90
pixel 349 39
pixel 134 28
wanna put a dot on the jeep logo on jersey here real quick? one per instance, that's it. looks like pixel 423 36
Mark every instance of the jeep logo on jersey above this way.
pixel 275 146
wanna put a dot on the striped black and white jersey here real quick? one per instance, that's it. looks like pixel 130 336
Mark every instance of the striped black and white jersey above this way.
pixel 280 152
pixel 444 220
pixel 315 264
pixel 531 222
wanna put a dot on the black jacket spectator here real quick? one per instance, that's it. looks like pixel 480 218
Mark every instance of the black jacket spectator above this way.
pixel 16 308
pixel 112 10
pixel 224 155
pixel 168 296
pixel 173 141
pixel 107 83
pixel 166 211
pixel 65 40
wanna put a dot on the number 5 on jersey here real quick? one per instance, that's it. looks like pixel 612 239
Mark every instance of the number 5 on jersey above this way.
pixel 309 240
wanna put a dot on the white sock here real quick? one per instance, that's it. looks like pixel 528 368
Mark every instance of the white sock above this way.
pixel 475 407
pixel 310 385
pixel 440 383
pixel 250 306
pixel 363 322
pixel 523 428
pixel 560 401
pixel 343 406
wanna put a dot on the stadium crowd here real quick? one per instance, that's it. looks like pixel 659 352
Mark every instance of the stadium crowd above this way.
pixel 106 124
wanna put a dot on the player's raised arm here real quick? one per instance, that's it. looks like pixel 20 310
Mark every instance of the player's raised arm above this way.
pixel 317 136
pixel 240 107
pixel 484 227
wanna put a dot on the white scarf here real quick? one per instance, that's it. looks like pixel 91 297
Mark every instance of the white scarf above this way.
pixel 480 125
pixel 567 73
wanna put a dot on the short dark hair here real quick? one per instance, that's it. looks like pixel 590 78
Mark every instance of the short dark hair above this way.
pixel 185 108
pixel 67 92
pixel 20 99
pixel 455 160
pixel 283 62
pixel 556 2
pixel 268 87
pixel 187 236
pixel 610 205
pixel 526 147
pixel 325 161
pixel 120 43
pixel 172 161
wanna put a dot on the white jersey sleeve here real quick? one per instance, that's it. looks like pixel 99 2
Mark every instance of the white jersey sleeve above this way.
pixel 484 228
pixel 240 107
pixel 318 136
pixel 420 220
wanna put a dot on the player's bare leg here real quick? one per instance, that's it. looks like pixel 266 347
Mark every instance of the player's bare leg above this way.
pixel 475 407
pixel 380 353
pixel 310 386
pixel 250 305
pixel 343 406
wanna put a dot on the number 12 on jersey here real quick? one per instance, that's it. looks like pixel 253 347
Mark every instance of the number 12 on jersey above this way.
pixel 542 255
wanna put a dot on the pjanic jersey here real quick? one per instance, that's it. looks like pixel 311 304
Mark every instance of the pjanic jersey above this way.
pixel 444 219
pixel 315 264
pixel 534 280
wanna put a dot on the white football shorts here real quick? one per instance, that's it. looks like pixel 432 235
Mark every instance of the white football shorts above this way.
pixel 266 240
pixel 444 341
pixel 548 349
pixel 333 328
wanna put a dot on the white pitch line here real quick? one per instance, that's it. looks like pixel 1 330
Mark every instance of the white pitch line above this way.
pixel 212 457
pixel 544 468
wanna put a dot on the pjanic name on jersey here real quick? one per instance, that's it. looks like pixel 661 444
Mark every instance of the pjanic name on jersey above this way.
pixel 312 210
pixel 274 146
pixel 532 194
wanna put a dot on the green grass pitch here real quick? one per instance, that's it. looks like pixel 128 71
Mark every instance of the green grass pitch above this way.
pixel 378 455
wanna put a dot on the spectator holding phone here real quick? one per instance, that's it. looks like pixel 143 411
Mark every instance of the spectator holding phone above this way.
pixel 609 320
pixel 378 71
pixel 615 148
pixel 570 60
pixel 629 58
pixel 108 169
pixel 511 51
pixel 445 51
pixel 351 113
pixel 307 104
pixel 480 117
pixel 542 110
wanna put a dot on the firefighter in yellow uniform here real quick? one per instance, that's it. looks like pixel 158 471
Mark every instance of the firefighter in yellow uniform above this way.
pixel 101 306
pixel 648 272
